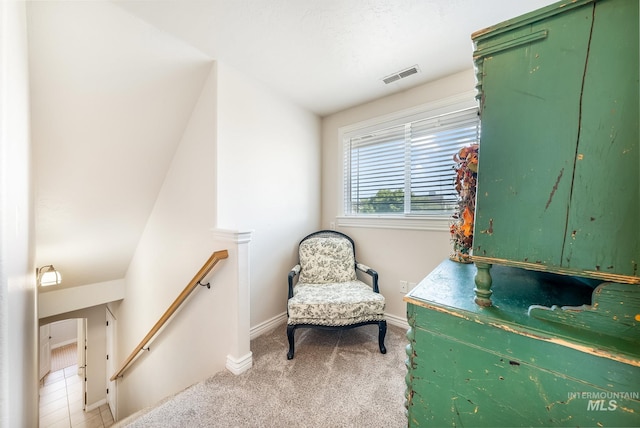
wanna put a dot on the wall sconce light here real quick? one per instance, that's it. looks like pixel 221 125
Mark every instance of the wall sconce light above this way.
pixel 48 275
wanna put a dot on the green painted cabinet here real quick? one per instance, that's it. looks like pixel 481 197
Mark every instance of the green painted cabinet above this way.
pixel 499 366
pixel 550 335
pixel 558 180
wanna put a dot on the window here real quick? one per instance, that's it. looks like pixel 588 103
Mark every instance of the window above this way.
pixel 403 167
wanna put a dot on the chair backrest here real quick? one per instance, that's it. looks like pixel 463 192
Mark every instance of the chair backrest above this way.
pixel 327 257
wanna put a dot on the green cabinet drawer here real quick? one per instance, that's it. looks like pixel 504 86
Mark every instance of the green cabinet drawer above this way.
pixel 462 384
pixel 469 365
pixel 535 348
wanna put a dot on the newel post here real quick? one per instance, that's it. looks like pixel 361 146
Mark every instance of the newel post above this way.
pixel 240 357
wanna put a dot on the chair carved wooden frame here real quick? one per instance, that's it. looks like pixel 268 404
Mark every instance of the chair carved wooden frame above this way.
pixel 328 293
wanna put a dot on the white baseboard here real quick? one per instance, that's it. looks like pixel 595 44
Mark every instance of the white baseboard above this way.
pixel 65 343
pixel 270 324
pixel 239 365
pixel 267 325
pixel 397 321
pixel 95 405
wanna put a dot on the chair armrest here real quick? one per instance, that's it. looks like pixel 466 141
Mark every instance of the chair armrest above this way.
pixel 374 275
pixel 292 273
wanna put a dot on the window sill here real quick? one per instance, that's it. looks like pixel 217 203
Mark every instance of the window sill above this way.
pixel 431 223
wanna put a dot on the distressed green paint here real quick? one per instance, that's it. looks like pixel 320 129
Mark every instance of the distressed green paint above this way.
pixel 558 179
pixel 529 135
pixel 615 311
pixel 476 366
pixel 603 228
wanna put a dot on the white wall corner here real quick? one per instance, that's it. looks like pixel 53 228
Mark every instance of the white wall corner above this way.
pixel 268 325
pixel 70 299
pixel 239 365
pixel 232 235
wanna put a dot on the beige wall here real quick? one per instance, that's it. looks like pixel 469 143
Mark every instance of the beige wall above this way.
pixel 18 317
pixel 268 181
pixel 396 254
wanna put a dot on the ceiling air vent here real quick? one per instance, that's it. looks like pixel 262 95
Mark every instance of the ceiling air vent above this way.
pixel 400 74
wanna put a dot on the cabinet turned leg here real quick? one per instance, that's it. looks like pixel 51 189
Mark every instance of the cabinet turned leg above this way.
pixel 483 284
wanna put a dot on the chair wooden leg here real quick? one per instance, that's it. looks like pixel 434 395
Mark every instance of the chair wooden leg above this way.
pixel 382 332
pixel 290 331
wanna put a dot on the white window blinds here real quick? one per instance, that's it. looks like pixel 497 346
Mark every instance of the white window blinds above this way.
pixel 407 169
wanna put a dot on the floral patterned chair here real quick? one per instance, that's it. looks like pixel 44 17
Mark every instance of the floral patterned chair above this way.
pixel 328 293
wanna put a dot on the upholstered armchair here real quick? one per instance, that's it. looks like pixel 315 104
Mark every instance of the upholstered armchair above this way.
pixel 328 293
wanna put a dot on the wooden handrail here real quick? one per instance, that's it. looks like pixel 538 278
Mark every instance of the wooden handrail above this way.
pixel 202 273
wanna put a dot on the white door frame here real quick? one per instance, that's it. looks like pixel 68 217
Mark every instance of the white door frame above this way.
pixel 82 358
pixel 111 365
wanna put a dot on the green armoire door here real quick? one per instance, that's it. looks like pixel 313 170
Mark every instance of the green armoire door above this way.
pixel 602 229
pixel 558 174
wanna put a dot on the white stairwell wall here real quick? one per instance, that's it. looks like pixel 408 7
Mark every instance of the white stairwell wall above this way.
pixel 268 181
pixel 246 178
pixel 18 299
pixel 175 244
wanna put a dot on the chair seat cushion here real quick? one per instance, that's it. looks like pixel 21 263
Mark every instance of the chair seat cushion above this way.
pixel 336 304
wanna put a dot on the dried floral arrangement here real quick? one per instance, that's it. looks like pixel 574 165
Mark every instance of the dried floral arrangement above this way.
pixel 466 167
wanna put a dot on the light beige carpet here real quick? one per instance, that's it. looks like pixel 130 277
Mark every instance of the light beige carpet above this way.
pixel 64 356
pixel 337 379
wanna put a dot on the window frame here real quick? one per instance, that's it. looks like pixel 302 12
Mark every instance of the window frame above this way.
pixel 433 222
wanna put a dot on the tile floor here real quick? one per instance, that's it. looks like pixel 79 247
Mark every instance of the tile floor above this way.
pixel 61 403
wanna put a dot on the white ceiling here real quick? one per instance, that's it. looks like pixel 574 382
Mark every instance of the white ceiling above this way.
pixel 328 55
pixel 113 84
